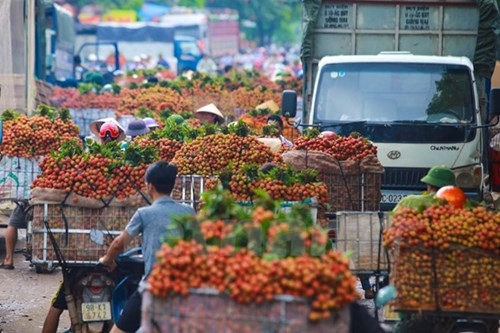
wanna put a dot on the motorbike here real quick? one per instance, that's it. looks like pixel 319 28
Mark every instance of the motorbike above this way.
pixel 436 321
pixel 95 297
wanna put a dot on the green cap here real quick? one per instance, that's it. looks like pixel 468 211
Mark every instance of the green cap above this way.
pixel 439 176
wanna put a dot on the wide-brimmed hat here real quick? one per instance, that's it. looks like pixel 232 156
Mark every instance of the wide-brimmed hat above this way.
pixel 137 127
pixel 439 176
pixel 150 122
pixel 96 125
pixel 211 108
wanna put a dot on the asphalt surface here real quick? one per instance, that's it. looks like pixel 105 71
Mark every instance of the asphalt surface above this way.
pixel 25 296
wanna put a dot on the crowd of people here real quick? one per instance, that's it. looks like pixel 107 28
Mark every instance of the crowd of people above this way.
pixel 272 61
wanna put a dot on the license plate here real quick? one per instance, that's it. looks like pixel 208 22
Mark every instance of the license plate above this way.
pixel 393 197
pixel 99 311
pixel 389 314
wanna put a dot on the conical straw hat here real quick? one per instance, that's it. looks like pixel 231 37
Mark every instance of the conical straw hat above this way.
pixel 211 108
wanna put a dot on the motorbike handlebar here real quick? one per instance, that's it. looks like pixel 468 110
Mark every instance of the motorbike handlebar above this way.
pixel 129 261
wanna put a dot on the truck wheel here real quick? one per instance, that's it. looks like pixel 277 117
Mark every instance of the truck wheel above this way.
pixel 414 324
pixel 478 327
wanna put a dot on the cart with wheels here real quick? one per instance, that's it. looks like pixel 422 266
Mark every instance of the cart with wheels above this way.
pixel 359 234
pixel 82 231
pixel 450 290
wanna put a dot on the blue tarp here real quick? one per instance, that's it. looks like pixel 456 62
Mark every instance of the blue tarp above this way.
pixel 150 11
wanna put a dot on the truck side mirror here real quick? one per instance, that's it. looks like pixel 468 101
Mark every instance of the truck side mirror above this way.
pixel 494 102
pixel 289 103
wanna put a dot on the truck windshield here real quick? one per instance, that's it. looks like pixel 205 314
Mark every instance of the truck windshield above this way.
pixel 189 47
pixel 393 92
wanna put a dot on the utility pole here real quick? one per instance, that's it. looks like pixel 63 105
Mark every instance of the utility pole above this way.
pixel 30 56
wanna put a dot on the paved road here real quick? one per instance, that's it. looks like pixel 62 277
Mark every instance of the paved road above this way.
pixel 25 296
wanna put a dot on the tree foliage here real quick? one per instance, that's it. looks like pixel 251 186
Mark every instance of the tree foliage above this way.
pixel 109 4
pixel 274 19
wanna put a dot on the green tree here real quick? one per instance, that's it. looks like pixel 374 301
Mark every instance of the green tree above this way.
pixel 109 4
pixel 274 19
pixel 192 3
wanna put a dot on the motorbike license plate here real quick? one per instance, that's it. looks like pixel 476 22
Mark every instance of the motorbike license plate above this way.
pixel 99 311
pixel 389 314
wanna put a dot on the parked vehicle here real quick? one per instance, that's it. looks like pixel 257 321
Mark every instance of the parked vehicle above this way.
pixel 217 29
pixel 56 49
pixel 411 78
pixel 142 38
pixel 38 53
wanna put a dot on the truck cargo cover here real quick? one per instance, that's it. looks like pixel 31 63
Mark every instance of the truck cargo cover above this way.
pixel 135 32
pixel 484 55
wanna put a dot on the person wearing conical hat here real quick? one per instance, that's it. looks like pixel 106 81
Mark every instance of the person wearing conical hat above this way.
pixel 210 114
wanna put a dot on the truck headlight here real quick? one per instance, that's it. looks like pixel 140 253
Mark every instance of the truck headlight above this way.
pixel 469 177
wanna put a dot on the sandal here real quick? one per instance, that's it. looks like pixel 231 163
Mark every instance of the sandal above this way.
pixel 4 266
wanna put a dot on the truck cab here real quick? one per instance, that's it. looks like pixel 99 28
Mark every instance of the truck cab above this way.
pixel 55 48
pixel 54 45
pixel 409 77
pixel 420 111
pixel 187 52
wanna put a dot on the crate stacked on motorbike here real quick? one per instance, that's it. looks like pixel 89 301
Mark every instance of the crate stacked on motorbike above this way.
pixel 82 235
pixel 81 229
pixel 355 190
pixel 205 310
pixel 188 190
pixel 286 206
pixel 353 185
pixel 457 279
pixel 361 235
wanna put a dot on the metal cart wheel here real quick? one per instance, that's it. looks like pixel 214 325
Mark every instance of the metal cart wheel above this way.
pixel 44 269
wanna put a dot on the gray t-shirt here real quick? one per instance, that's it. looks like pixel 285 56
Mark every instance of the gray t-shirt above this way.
pixel 153 221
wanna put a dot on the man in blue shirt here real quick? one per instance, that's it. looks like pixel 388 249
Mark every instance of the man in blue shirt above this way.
pixel 153 222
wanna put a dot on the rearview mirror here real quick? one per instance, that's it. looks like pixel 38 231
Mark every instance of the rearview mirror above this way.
pixel 289 103
pixel 494 102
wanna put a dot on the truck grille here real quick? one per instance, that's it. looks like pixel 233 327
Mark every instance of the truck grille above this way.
pixel 407 178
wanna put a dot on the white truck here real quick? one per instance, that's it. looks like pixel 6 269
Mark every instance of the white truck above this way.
pixel 410 76
pixel 216 28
